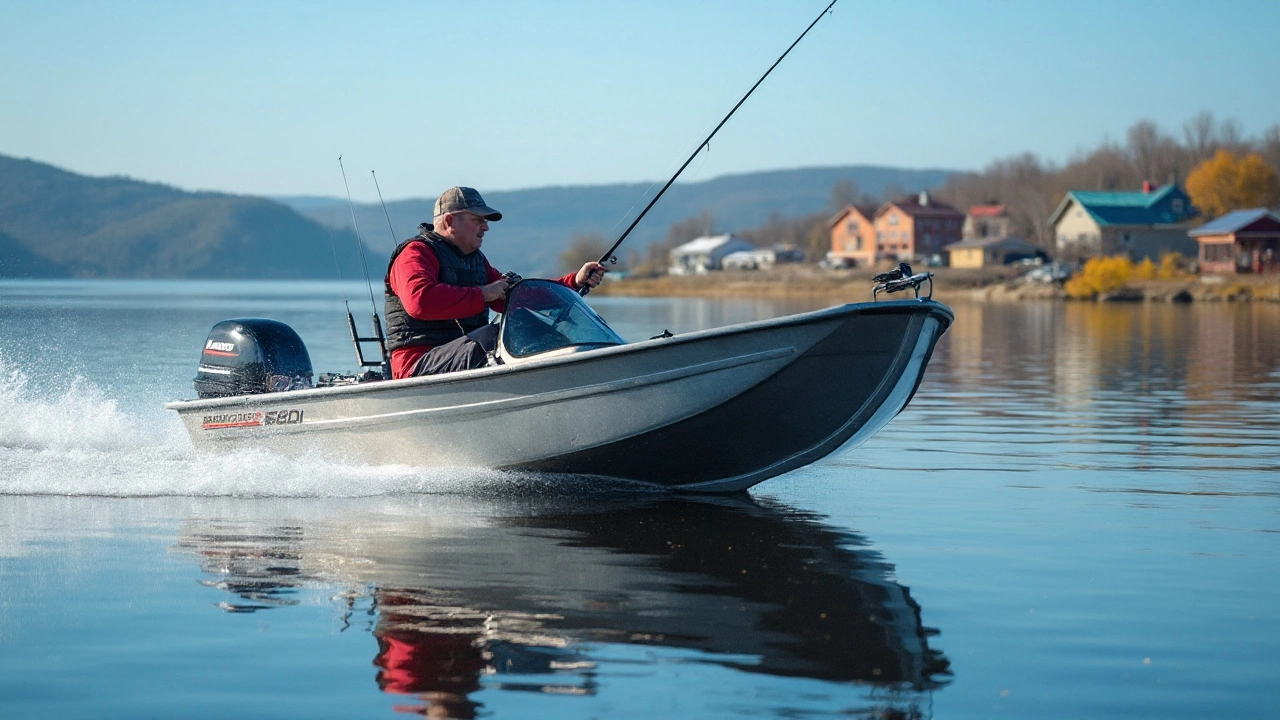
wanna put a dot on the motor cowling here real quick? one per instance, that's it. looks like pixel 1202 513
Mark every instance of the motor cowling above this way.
pixel 248 356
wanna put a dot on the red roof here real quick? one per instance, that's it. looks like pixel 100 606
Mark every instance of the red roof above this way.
pixel 986 211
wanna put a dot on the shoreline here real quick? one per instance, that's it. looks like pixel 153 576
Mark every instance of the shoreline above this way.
pixel 950 285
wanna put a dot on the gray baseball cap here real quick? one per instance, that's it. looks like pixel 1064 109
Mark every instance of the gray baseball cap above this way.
pixel 464 198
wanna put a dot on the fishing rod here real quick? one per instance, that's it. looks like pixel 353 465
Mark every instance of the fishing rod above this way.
pixel 609 256
pixel 379 337
pixel 394 238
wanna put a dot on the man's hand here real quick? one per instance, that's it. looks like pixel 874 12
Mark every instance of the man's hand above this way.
pixel 590 275
pixel 494 290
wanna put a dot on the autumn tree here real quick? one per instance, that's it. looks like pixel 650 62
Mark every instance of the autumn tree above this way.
pixel 1226 182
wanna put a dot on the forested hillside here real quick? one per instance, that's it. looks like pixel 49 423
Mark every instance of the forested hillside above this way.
pixel 55 223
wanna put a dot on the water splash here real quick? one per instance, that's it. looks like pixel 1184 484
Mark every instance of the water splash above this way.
pixel 66 436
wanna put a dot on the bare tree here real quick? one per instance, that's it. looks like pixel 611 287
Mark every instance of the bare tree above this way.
pixel 581 249
pixel 1231 137
pixel 844 193
pixel 1201 135
pixel 1157 157
pixel 891 192
pixel 1144 143
pixel 1024 184
pixel 807 232
pixel 1269 147
pixel 1107 168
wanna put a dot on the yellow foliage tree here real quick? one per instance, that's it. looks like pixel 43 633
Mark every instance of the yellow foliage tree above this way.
pixel 1100 275
pixel 1170 266
pixel 1224 183
pixel 1146 270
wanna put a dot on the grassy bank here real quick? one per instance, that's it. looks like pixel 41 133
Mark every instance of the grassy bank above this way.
pixel 950 285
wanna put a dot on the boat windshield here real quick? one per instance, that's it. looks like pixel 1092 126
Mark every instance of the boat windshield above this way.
pixel 542 316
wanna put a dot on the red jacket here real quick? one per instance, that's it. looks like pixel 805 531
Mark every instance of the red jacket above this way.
pixel 413 279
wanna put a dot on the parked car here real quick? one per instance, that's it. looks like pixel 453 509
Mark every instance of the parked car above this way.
pixel 835 262
pixel 1049 273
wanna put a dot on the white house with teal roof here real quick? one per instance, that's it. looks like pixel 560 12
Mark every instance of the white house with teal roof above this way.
pixel 1140 225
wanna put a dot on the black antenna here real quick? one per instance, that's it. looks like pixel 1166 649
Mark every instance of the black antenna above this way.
pixel 707 143
pixel 379 337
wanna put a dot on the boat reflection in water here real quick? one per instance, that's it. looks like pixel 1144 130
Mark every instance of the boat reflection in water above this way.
pixel 544 595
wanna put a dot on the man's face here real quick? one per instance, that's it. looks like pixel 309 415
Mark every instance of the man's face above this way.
pixel 468 231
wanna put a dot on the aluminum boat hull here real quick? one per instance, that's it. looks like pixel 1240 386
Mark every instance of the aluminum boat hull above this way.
pixel 714 411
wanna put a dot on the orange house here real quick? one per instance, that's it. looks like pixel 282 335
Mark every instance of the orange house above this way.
pixel 853 235
pixel 915 228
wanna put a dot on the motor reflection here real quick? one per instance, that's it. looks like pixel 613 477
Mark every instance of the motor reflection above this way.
pixel 535 596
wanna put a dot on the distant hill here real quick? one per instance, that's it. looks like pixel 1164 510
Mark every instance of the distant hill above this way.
pixel 54 223
pixel 538 224
pixel 17 261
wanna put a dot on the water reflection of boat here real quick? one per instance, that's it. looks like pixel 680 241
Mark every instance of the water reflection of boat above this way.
pixel 518 602
pixel 716 410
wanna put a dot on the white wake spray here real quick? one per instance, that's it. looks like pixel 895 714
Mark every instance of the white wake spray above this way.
pixel 67 437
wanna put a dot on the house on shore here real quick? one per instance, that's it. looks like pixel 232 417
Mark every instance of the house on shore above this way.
pixel 1242 241
pixel 1140 225
pixel 853 236
pixel 991 252
pixel 986 221
pixel 916 228
pixel 911 228
pixel 701 255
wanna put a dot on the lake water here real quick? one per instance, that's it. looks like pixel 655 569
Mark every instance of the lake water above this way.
pixel 1078 516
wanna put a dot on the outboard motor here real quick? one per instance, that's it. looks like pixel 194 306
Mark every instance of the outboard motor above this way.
pixel 249 356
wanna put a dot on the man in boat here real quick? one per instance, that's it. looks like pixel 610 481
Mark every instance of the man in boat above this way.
pixel 439 290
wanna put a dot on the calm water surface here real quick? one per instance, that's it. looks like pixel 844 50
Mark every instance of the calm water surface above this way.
pixel 1078 516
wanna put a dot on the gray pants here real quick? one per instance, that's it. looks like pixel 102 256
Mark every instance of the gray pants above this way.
pixel 466 353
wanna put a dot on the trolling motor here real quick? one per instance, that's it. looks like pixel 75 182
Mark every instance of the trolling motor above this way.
pixel 901 278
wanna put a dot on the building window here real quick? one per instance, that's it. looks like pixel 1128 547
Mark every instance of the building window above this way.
pixel 1176 205
pixel 893 218
pixel 852 227
pixel 1218 253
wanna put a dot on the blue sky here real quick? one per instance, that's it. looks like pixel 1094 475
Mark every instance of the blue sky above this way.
pixel 262 97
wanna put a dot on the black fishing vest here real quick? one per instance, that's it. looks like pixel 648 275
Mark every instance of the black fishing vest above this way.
pixel 404 330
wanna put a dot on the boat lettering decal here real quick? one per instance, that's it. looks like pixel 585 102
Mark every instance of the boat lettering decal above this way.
pixel 225 349
pixel 232 420
pixel 282 417
pixel 254 418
